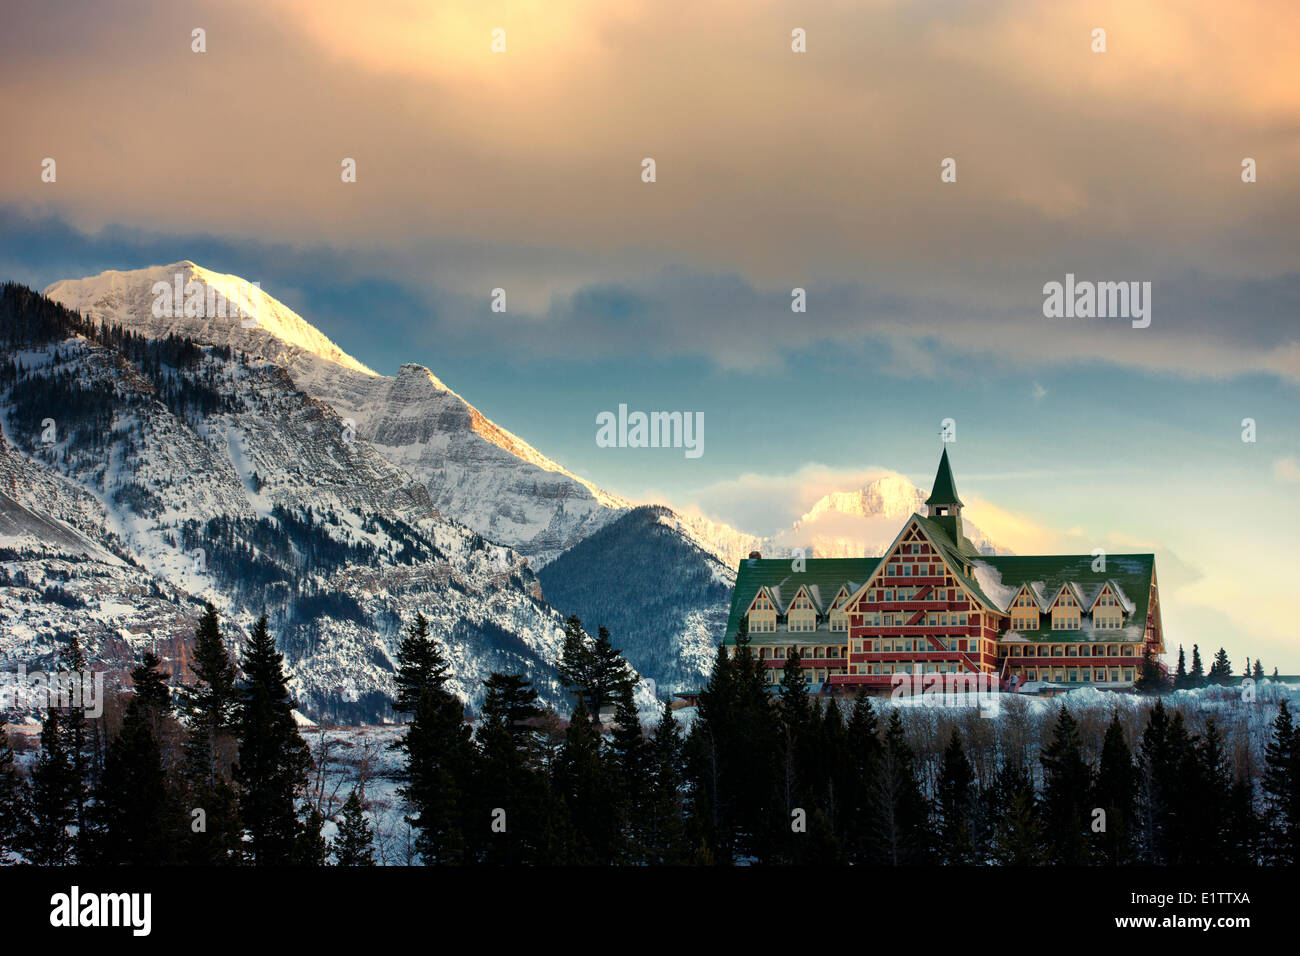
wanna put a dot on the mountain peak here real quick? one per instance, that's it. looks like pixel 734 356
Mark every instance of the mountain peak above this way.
pixel 210 307
pixel 889 496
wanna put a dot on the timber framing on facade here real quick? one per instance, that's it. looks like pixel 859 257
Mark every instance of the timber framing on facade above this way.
pixel 933 604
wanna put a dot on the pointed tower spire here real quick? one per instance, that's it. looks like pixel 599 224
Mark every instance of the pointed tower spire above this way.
pixel 944 489
pixel 943 507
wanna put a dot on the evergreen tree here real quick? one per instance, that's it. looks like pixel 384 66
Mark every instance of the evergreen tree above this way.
pixel 835 773
pixel 792 697
pixel 1206 808
pixel 900 809
pixel 1221 669
pixel 584 782
pixel 273 758
pixel 1153 774
pixel 798 745
pixel 514 794
pixel 1258 672
pixel 1067 781
pixel 734 753
pixel 12 799
pixel 309 846
pixel 864 757
pixel 210 706
pixel 955 805
pixel 1150 681
pixel 437 774
pixel 1180 675
pixel 421 667
pixel 1281 787
pixel 1197 676
pixel 80 737
pixel 1170 775
pixel 575 666
pixel 135 819
pixel 1243 833
pixel 1018 838
pixel 631 770
pixel 51 810
pixel 355 843
pixel 611 673
pixel 664 833
pixel 705 752
pixel 1113 792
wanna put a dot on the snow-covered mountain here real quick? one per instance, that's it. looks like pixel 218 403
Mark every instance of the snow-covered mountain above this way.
pixel 139 474
pixel 407 435
pixel 845 524
pixel 268 469
pixel 476 472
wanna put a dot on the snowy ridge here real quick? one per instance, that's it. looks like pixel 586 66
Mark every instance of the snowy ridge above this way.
pixel 476 471
pixel 261 504
pixel 128 299
pixel 863 522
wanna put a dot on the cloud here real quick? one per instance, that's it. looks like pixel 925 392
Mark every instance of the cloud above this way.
pixel 765 504
pixel 521 170
pixel 678 313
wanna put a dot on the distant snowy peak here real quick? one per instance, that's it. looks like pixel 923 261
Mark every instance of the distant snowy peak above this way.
pixel 863 522
pixel 891 496
pixel 210 307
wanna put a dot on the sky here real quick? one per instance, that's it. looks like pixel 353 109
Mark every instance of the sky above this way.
pixel 523 170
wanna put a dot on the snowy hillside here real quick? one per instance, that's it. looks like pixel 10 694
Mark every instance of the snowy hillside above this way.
pixel 475 471
pixel 220 480
pixel 666 618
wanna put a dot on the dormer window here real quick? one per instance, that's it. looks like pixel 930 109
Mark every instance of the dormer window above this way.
pixel 761 614
pixel 801 615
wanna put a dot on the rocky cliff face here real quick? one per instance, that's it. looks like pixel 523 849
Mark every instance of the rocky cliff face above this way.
pixel 179 472
pixel 474 470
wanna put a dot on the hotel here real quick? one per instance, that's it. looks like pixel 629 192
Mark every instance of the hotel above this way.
pixel 934 604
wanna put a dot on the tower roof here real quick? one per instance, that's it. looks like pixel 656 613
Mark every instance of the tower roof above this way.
pixel 944 489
